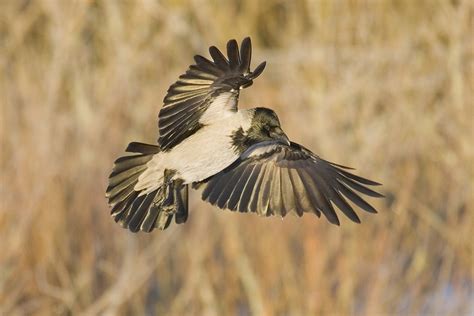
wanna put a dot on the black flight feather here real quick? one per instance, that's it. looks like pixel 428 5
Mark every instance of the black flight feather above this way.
pixel 203 82
pixel 277 179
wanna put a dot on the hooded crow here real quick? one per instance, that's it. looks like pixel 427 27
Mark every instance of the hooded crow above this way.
pixel 241 159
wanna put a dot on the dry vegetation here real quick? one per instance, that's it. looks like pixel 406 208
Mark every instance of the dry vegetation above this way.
pixel 385 86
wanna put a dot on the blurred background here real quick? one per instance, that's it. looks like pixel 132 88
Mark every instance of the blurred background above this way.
pixel 384 86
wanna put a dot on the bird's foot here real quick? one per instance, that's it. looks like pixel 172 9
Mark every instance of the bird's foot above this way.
pixel 170 203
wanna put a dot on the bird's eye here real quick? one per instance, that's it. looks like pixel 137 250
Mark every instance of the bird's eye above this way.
pixel 267 130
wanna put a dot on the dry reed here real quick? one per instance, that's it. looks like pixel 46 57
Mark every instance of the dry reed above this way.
pixel 385 86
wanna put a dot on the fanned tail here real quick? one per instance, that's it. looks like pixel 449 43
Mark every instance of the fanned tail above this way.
pixel 135 210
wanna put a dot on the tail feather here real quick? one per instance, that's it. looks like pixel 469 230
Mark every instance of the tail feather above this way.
pixel 127 162
pixel 149 222
pixel 141 212
pixel 138 212
pixel 127 174
pixel 142 148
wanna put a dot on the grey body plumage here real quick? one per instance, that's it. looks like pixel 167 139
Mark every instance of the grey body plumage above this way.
pixel 241 158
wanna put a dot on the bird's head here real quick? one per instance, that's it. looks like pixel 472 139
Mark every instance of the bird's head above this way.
pixel 264 127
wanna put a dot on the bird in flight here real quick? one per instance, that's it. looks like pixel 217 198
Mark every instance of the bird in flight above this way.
pixel 240 158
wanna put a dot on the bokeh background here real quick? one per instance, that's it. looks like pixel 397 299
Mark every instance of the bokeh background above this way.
pixel 384 86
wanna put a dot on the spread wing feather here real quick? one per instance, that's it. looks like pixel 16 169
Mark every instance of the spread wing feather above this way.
pixel 195 91
pixel 277 179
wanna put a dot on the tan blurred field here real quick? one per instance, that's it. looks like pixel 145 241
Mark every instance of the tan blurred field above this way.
pixel 384 86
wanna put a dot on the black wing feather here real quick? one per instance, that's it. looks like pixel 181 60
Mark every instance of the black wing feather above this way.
pixel 189 97
pixel 298 191
pixel 233 53
pixel 247 193
pixel 310 190
pixel 245 55
pixel 218 57
pixel 277 179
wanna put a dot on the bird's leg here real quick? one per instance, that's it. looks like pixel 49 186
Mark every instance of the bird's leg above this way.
pixel 181 198
pixel 172 202
pixel 177 184
pixel 169 195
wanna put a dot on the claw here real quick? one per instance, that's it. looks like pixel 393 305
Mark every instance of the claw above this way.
pixel 168 194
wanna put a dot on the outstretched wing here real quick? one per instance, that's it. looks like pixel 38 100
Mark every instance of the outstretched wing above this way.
pixel 277 179
pixel 206 86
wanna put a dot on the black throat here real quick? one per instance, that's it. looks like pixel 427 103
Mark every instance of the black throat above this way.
pixel 240 141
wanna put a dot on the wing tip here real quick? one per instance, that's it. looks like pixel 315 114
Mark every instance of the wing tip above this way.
pixel 232 42
pixel 258 70
pixel 334 221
